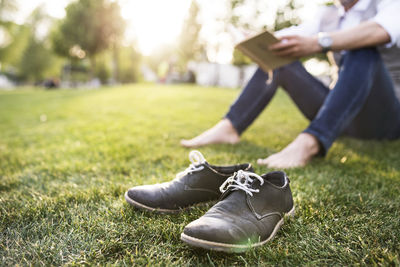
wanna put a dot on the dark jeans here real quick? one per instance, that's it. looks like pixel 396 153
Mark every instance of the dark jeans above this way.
pixel 362 104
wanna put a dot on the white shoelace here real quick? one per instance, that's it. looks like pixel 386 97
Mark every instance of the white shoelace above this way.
pixel 197 159
pixel 241 180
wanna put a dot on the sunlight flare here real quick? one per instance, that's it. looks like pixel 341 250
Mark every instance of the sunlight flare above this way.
pixel 154 23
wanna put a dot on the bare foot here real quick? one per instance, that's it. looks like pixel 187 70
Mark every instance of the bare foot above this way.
pixel 296 154
pixel 222 133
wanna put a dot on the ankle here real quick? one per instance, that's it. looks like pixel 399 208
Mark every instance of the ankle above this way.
pixel 310 142
pixel 227 126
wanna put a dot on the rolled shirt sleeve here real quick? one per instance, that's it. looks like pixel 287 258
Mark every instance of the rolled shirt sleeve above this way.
pixel 388 17
pixel 307 28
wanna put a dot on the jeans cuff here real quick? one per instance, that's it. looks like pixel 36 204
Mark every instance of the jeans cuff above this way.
pixel 235 124
pixel 324 142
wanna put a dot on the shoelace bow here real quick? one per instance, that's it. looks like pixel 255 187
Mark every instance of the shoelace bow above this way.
pixel 197 159
pixel 241 180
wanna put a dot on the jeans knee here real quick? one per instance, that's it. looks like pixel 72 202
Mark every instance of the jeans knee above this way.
pixel 286 71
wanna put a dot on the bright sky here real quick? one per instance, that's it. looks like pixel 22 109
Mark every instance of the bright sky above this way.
pixel 152 23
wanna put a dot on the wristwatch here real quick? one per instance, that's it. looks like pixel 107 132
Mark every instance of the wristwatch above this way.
pixel 325 41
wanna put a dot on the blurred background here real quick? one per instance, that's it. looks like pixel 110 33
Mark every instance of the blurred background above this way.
pixel 89 43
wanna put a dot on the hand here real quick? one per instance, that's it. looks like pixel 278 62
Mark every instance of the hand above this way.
pixel 296 46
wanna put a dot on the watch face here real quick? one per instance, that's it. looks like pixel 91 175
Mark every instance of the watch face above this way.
pixel 326 41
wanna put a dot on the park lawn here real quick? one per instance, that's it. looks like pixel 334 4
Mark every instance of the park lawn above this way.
pixel 68 156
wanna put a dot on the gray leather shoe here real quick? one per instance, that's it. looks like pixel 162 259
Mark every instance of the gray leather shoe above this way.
pixel 249 214
pixel 200 182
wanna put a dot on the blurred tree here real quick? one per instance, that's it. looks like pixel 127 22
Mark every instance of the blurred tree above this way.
pixel 25 54
pixel 6 7
pixel 238 58
pixel 17 40
pixel 287 16
pixel 37 60
pixel 90 27
pixel 189 46
pixel 253 8
pixel 103 67
pixel 129 60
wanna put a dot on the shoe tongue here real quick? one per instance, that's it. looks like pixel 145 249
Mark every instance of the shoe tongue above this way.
pixel 277 178
pixel 196 158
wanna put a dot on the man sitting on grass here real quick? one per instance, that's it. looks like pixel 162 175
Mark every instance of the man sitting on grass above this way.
pixel 365 36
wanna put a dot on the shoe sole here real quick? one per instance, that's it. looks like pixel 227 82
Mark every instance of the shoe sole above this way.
pixel 232 248
pixel 159 210
pixel 144 207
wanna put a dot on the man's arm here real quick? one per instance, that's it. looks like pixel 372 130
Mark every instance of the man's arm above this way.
pixel 368 33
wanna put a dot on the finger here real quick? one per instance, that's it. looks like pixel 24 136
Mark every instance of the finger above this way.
pixel 284 53
pixel 261 162
pixel 284 44
pixel 288 37
pixel 264 161
pixel 289 52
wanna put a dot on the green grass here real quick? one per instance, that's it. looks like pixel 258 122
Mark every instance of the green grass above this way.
pixel 67 157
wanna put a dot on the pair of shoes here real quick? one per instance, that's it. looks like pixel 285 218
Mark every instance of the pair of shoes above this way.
pixel 250 210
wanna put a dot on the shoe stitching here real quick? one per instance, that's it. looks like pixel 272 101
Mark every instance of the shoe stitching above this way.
pixel 258 216
pixel 189 188
pixel 219 211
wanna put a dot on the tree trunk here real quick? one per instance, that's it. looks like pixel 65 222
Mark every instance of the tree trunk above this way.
pixel 115 69
pixel 92 73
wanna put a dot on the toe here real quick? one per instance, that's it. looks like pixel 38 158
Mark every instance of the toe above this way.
pixel 186 143
pixel 262 161
pixel 267 160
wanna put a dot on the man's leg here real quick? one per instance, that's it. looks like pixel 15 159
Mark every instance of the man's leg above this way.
pixel 307 92
pixel 362 103
pixel 363 100
pixel 379 118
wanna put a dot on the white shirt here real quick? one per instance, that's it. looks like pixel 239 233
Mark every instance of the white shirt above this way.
pixel 385 12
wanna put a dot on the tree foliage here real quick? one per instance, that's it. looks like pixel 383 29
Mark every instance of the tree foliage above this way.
pixel 28 57
pixel 10 52
pixel 121 64
pixel 37 62
pixel 6 7
pixel 93 25
pixel 8 31
pixel 189 46
pixel 286 15
pixel 129 60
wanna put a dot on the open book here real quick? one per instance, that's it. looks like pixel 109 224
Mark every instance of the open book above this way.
pixel 256 48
